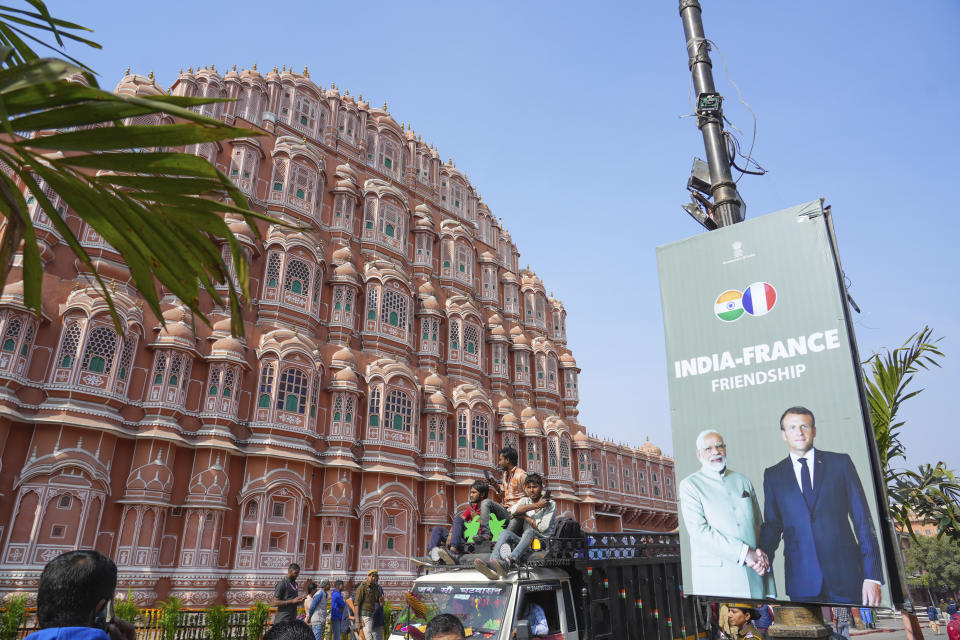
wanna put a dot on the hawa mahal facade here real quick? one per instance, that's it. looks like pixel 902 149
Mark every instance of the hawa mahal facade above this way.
pixel 392 347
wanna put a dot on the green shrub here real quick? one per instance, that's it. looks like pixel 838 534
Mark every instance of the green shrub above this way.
pixel 217 619
pixel 170 617
pixel 14 615
pixel 257 620
pixel 125 609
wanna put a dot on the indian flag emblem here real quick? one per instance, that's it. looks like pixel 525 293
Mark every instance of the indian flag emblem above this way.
pixel 759 298
pixel 729 306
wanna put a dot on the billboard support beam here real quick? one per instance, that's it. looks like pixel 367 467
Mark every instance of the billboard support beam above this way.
pixel 726 201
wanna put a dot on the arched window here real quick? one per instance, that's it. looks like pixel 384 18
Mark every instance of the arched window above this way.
pixel 372 297
pixel 480 429
pixel 398 411
pixel 347 126
pixel 393 311
pixel 511 303
pixel 499 365
pixel 305 115
pixel 464 270
pixel 213 380
pixel 436 428
pixel 303 185
pixel 454 339
pixel 424 252
pixel 462 435
pixel 570 384
pixel 11 334
pixel 159 368
pixel 552 372
pixel 541 364
pixel 343 212
pixel 423 169
pixel 273 270
pixel 266 386
pixel 374 408
pixel 522 368
pixel 297 277
pixel 541 305
pixel 292 391
pixel 279 180
pixel 428 336
pixel 100 349
pixel 343 302
pixel 554 458
pixel 471 338
pixel 391 230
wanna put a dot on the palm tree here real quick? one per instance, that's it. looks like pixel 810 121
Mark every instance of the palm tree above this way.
pixel 161 210
pixel 931 493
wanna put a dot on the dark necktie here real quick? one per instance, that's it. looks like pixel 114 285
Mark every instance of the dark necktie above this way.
pixel 806 483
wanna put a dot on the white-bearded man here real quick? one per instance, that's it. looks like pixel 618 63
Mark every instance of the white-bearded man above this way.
pixel 722 518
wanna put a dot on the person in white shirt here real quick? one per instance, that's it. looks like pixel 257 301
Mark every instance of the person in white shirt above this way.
pixel 538 513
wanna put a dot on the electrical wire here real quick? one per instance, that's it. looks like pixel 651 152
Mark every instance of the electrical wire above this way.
pixel 749 155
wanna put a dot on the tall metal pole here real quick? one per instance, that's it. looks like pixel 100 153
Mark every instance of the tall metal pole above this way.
pixel 726 202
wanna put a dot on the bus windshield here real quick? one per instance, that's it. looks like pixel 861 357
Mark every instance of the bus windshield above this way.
pixel 481 608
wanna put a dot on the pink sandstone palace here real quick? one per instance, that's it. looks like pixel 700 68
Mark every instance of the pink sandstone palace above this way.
pixel 390 351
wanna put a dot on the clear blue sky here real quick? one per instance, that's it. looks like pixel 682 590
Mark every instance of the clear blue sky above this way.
pixel 567 117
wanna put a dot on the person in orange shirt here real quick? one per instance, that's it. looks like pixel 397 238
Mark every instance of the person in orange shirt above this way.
pixel 510 491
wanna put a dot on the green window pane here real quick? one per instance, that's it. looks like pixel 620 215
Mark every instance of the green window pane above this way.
pixel 389 543
pixel 371 315
pixel 66 361
pixel 227 392
pixel 336 416
pixel 349 417
pixel 348 306
pixel 272 282
pixel 291 402
pixel 24 349
pixel 264 400
pixel 446 263
pixel 454 345
pixel 369 224
pixel 278 186
pixel 336 306
pixel 97 364
pixel 296 287
pixel 462 441
pixel 173 380
pixel 398 421
pixel 433 435
pixel 389 230
pixel 300 193
pixel 235 172
pixel 9 345
pixel 374 420
pixel 463 268
pixel 213 390
pixel 471 348
pixel 387 162
pixel 394 319
pixel 303 119
pixel 480 444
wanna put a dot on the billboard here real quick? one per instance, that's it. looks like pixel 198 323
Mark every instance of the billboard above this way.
pixel 776 486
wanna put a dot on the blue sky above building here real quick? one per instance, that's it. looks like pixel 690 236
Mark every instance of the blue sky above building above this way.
pixel 569 119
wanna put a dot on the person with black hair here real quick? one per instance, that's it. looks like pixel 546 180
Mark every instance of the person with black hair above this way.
pixel 290 630
pixel 445 626
pixel 537 513
pixel 286 596
pixel 73 596
pixel 447 545
pixel 511 491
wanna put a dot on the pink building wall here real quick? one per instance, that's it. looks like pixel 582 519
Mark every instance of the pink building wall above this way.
pixel 392 347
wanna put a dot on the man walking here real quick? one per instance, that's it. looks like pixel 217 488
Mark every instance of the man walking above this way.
pixel 810 499
pixel 368 600
pixel 286 596
pixel 933 613
pixel 317 609
pixel 841 617
pixel 722 518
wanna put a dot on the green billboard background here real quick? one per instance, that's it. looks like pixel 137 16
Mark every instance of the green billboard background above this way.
pixel 736 371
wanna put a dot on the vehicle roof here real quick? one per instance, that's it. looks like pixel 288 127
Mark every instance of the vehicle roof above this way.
pixel 472 575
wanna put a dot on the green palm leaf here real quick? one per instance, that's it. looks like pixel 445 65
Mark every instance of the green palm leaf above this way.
pixel 161 210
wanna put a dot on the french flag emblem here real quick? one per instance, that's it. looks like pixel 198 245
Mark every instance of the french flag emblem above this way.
pixel 759 298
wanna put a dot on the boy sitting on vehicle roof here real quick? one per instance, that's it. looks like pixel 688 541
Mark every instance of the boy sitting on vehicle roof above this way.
pixel 537 512
pixel 448 545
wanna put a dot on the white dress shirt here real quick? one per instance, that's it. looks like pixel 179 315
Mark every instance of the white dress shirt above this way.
pixel 808 456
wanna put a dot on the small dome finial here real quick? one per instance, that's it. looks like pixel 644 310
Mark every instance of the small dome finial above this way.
pixel 127 72
pixel 254 66
pixel 150 75
pixel 234 67
pixel 190 70
pixel 384 105
pixel 306 72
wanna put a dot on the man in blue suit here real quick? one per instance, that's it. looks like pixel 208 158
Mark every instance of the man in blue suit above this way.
pixel 810 498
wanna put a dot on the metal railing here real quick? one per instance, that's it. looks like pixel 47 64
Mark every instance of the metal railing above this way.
pixel 192 624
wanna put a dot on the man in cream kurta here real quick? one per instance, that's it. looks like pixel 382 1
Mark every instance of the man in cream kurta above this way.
pixel 722 517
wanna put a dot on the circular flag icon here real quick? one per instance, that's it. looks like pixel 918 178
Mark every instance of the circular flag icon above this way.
pixel 728 306
pixel 759 298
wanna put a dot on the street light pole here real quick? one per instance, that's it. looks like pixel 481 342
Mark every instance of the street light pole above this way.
pixel 726 201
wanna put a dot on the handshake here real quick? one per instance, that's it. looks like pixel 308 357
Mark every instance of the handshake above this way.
pixel 757 560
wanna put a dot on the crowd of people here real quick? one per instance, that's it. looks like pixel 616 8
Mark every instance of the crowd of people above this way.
pixel 77 588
